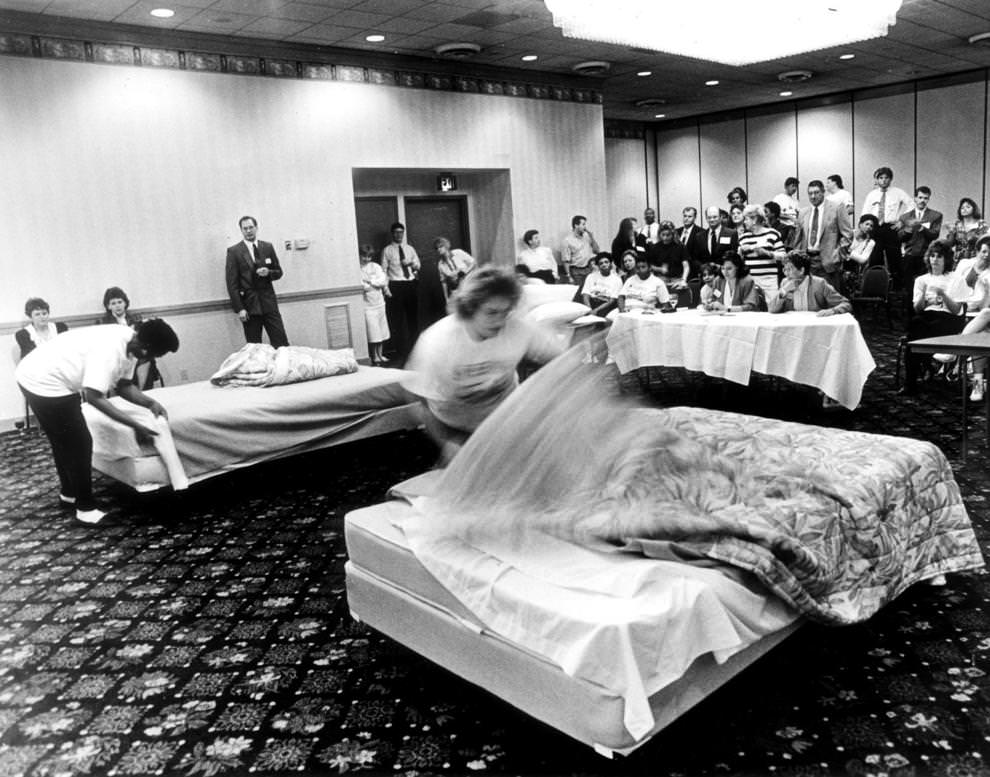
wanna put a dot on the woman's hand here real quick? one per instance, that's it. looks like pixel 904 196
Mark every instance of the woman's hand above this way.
pixel 157 410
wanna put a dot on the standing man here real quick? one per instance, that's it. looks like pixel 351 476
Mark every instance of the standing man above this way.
pixel 687 234
pixel 251 267
pixel 710 244
pixel 789 204
pixel 578 251
pixel 888 203
pixel 402 265
pixel 650 230
pixel 825 233
pixel 916 229
pixel 836 193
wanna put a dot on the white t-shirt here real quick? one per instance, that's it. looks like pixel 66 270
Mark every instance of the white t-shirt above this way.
pixel 644 292
pixel 842 198
pixel 789 207
pixel 92 357
pixel 598 285
pixel 464 379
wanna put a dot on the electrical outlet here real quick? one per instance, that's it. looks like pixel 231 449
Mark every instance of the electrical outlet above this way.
pixel 288 245
pixel 183 375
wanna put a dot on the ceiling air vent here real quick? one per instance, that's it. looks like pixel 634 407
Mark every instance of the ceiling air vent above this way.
pixel 794 76
pixel 458 50
pixel 650 101
pixel 592 68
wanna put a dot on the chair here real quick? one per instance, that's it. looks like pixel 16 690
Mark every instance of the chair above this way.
pixel 874 289
pixel 694 284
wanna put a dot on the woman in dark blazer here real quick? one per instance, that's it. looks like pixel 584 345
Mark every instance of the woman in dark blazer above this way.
pixel 735 291
pixel 40 329
pixel 117 305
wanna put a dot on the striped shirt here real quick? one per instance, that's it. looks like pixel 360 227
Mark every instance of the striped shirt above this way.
pixel 762 268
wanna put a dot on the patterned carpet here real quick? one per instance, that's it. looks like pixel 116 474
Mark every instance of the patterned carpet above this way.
pixel 209 635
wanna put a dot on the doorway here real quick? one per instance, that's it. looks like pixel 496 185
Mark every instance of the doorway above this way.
pixel 428 218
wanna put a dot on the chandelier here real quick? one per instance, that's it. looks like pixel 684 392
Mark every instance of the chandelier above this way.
pixel 733 32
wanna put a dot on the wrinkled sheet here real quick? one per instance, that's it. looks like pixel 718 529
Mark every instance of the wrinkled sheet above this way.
pixel 216 428
pixel 258 364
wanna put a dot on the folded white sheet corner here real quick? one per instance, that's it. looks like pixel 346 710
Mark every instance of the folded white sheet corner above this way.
pixel 605 647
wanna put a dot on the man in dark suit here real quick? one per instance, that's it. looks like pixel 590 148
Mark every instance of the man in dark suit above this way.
pixel 251 267
pixel 687 235
pixel 825 232
pixel 916 229
pixel 711 243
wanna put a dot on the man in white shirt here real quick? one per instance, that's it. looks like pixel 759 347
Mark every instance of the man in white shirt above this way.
pixel 601 289
pixel 788 201
pixel 835 192
pixel 888 204
pixel 537 257
pixel 578 251
pixel 401 264
pixel 650 229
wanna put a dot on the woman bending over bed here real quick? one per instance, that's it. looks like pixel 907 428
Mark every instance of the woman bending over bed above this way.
pixel 465 364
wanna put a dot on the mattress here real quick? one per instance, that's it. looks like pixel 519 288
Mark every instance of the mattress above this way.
pixel 638 669
pixel 216 429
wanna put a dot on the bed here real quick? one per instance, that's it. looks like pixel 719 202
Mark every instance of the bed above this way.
pixel 217 429
pixel 611 648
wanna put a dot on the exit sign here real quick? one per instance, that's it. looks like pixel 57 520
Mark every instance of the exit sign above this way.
pixel 446 182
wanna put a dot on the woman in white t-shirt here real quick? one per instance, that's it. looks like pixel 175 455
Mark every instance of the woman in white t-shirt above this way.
pixel 465 364
pixel 644 290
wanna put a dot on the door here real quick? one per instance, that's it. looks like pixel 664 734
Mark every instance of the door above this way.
pixel 428 218
pixel 374 216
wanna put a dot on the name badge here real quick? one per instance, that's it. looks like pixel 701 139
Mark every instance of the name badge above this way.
pixel 726 241
pixel 926 224
pixel 716 292
pixel 268 260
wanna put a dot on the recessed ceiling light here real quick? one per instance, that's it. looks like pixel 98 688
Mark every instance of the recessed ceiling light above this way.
pixel 374 38
pixel 643 73
pixel 786 94
pixel 163 13
pixel 711 83
pixel 660 116
pixel 847 56
pixel 980 39
pixel 530 58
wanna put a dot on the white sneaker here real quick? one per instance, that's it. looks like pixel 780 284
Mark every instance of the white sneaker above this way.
pixel 938 581
pixel 976 395
pixel 90 516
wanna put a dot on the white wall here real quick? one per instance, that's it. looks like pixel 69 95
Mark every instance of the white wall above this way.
pixel 136 177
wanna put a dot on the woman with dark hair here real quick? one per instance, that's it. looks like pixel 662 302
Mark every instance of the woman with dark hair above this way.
pixel 668 258
pixel 863 253
pixel 465 364
pixel 738 196
pixel 735 291
pixel 968 229
pixel 936 313
pixel 117 305
pixel 737 220
pixel 39 328
pixel 627 266
pixel 625 239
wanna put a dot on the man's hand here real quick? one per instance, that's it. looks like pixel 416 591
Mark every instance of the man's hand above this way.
pixel 826 312
pixel 242 315
pixel 263 272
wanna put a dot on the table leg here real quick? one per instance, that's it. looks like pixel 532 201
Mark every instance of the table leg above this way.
pixel 965 398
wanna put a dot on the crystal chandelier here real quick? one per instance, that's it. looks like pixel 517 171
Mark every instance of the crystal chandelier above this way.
pixel 734 32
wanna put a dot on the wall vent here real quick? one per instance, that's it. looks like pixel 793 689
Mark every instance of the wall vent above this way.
pixel 338 319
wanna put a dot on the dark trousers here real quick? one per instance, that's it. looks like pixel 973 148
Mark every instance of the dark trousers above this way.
pixel 833 276
pixel 61 419
pixel 889 245
pixel 928 323
pixel 272 323
pixel 401 310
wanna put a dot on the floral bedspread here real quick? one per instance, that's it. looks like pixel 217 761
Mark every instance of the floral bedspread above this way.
pixel 888 515
pixel 258 364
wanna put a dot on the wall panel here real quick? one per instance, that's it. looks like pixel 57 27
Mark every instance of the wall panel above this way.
pixel 678 171
pixel 723 160
pixel 626 181
pixel 950 144
pixel 883 136
pixel 824 144
pixel 771 143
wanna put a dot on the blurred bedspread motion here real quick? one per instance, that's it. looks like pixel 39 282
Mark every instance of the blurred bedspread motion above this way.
pixel 258 364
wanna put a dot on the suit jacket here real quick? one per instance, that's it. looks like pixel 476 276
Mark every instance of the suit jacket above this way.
pixel 746 293
pixel 690 245
pixel 248 290
pixel 916 237
pixel 26 344
pixel 132 319
pixel 836 235
pixel 821 295
pixel 726 240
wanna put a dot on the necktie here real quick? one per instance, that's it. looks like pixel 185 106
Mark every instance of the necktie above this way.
pixel 711 242
pixel 882 215
pixel 813 243
pixel 257 256
pixel 402 261
pixel 684 235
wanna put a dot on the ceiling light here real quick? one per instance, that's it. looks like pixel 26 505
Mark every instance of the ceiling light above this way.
pixel 660 116
pixel 786 94
pixel 530 58
pixel 162 13
pixel 713 82
pixel 644 73
pixel 847 56
pixel 374 38
pixel 794 76
pixel 458 50
pixel 980 39
pixel 801 27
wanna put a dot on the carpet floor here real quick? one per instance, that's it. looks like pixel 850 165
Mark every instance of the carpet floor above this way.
pixel 209 635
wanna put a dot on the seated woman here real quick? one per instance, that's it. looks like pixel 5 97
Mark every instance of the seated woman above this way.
pixel 40 329
pixel 803 291
pixel 735 291
pixel 963 236
pixel 601 288
pixel 973 280
pixel 863 251
pixel 465 364
pixel 668 258
pixel 644 290
pixel 936 313
pixel 710 273
pixel 627 266
pixel 117 305
pixel 626 239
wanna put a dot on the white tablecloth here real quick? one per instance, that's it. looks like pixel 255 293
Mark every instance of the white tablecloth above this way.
pixel 826 352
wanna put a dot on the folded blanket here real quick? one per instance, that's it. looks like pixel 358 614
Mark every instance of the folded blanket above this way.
pixel 258 364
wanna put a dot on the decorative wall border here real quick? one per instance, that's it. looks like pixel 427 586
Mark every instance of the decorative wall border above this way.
pixel 21 44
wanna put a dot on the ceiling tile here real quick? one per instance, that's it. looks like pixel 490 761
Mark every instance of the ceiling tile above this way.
pixel 276 28
pixel 97 10
pixel 304 12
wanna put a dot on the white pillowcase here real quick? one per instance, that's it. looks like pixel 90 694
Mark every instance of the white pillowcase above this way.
pixel 557 313
pixel 534 294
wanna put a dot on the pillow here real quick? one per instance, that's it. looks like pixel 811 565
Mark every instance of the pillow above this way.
pixel 534 294
pixel 557 313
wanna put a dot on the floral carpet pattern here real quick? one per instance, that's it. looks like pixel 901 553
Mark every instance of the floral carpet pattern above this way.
pixel 208 634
